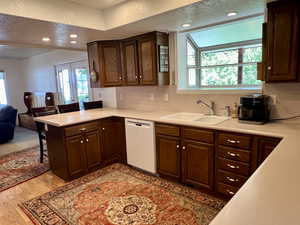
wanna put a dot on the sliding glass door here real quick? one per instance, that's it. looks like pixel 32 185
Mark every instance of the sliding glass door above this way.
pixel 73 82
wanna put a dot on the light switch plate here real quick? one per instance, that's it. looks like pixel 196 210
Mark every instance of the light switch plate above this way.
pixel 274 99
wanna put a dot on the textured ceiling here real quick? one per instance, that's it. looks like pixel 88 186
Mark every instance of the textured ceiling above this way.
pixel 99 4
pixel 30 32
pixel 15 52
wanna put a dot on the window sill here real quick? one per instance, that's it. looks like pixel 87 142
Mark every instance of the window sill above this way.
pixel 228 91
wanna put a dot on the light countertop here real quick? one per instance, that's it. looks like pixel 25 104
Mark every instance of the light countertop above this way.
pixel 271 196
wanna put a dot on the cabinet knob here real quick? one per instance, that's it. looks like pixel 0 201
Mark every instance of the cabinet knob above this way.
pixel 232 166
pixel 81 142
pixel 183 147
pixel 140 77
pixel 231 179
pixel 177 146
pixel 233 154
pixel 136 77
pixel 269 68
pixel 233 141
pixel 83 129
pixel 87 140
pixel 230 192
pixel 121 78
pixel 103 128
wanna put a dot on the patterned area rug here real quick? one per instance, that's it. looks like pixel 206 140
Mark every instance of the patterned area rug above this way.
pixel 122 196
pixel 18 167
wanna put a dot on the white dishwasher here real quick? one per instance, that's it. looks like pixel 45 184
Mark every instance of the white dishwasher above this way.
pixel 140 143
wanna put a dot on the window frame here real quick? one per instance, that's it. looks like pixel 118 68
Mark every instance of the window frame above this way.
pixel 5 87
pixel 236 45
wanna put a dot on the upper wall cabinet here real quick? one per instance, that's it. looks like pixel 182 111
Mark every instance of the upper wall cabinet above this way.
pixel 282 42
pixel 140 60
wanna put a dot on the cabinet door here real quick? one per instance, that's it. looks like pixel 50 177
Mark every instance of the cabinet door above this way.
pixel 265 147
pixel 282 41
pixel 76 155
pixel 111 70
pixel 113 140
pixel 130 62
pixel 197 163
pixel 93 57
pixel 168 156
pixel 93 149
pixel 147 60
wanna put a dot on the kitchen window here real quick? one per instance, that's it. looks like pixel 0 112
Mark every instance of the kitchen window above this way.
pixel 223 57
pixel 3 99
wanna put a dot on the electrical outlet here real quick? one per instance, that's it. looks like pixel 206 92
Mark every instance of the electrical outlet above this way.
pixel 273 99
pixel 166 97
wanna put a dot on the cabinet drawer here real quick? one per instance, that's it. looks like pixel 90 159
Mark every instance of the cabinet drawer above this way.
pixel 78 129
pixel 234 140
pixel 226 189
pixel 166 129
pixel 233 166
pixel 231 178
pixel 234 154
pixel 198 134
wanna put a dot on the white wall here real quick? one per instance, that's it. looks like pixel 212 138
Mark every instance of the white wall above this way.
pixel 39 71
pixel 14 82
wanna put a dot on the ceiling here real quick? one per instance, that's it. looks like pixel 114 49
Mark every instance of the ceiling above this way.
pixel 99 4
pixel 16 52
pixel 27 31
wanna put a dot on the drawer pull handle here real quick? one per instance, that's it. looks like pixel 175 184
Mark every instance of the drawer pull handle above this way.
pixel 233 154
pixel 232 166
pixel 83 129
pixel 233 141
pixel 232 180
pixel 230 192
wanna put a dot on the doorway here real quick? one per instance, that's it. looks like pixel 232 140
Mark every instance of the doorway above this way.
pixel 73 83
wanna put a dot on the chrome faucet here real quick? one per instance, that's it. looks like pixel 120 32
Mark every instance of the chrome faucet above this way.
pixel 210 106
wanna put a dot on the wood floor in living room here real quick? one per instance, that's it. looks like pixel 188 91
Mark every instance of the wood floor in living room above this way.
pixel 10 213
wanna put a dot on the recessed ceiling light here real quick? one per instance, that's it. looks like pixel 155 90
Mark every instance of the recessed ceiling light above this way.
pixel 73 35
pixel 186 25
pixel 232 14
pixel 46 39
pixel 73 42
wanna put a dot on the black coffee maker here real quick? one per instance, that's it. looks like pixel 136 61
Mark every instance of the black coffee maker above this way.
pixel 254 109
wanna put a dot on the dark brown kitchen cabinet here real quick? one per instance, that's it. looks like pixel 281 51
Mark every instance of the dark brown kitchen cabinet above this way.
pixel 93 152
pixel 265 147
pixel 76 151
pixel 282 40
pixel 132 61
pixel 113 140
pixel 197 163
pixel 168 157
pixel 79 149
pixel 186 155
pixel 105 60
pixel 110 63
pixel 147 60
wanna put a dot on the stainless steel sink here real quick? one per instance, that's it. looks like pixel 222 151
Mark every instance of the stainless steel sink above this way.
pixel 195 117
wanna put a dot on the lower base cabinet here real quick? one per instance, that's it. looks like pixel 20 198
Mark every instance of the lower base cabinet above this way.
pixel 220 162
pixel 185 160
pixel 79 149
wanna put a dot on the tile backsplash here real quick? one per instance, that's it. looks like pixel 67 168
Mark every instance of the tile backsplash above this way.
pixel 165 98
